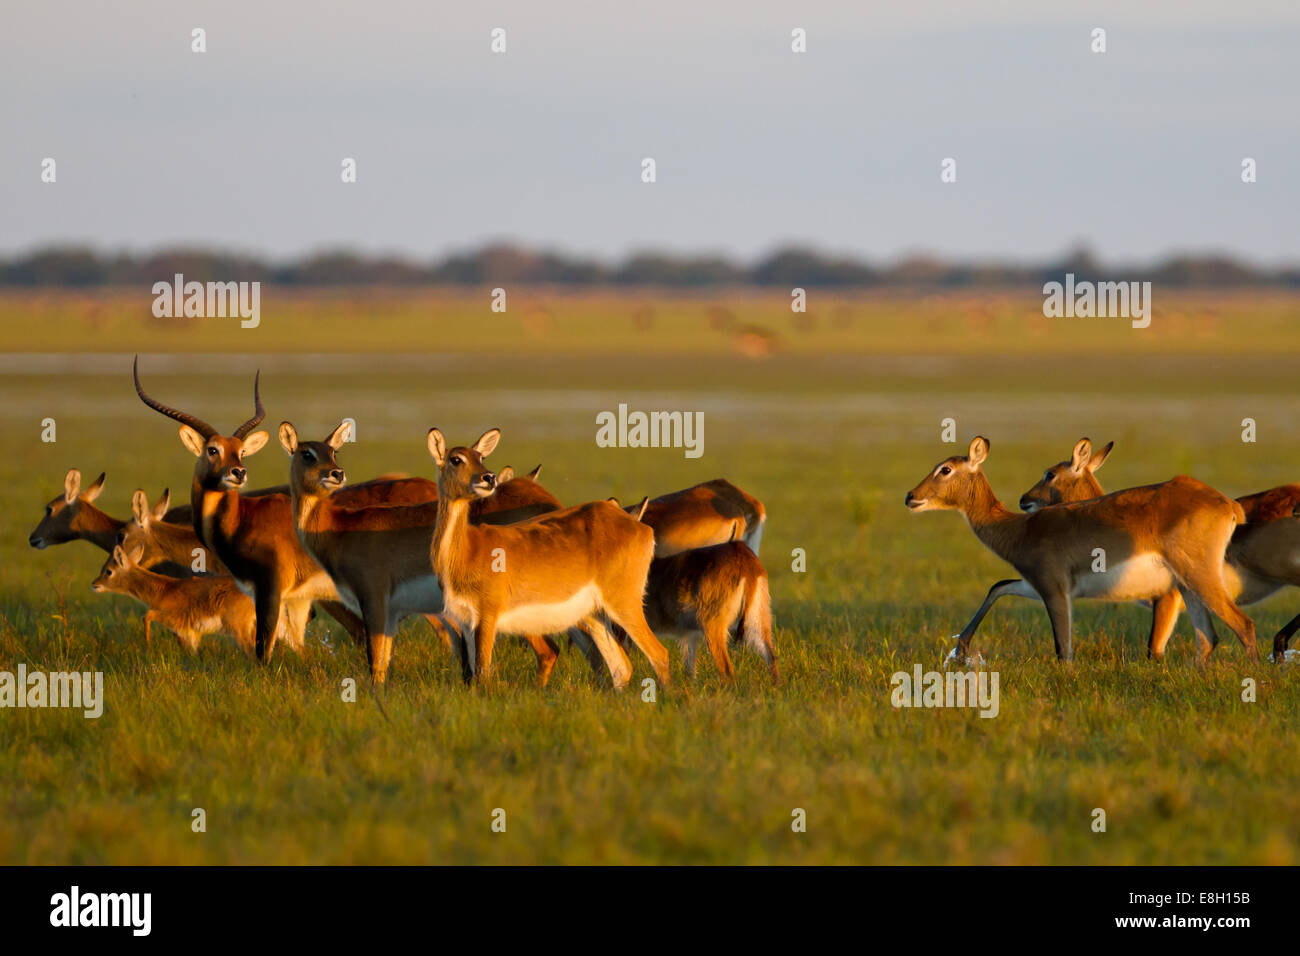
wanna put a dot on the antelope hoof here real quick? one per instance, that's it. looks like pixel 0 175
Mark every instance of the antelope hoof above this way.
pixel 957 657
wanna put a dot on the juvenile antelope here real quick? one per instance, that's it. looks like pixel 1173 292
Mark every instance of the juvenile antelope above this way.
pixel 192 607
pixel 715 591
pixel 1154 539
pixel 1262 557
pixel 545 575
pixel 163 542
pixel 704 515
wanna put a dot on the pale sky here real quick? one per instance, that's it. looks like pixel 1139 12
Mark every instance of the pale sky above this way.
pixel 1136 152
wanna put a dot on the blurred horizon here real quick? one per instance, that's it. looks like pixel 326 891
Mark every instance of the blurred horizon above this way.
pixel 1135 152
pixel 787 267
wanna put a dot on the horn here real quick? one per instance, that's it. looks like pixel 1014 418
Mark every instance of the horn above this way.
pixel 256 420
pixel 198 424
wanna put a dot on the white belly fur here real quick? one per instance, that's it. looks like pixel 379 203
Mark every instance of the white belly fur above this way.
pixel 531 618
pixel 1141 576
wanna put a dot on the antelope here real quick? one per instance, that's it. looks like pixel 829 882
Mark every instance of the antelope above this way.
pixel 192 607
pixel 72 516
pixel 252 537
pixel 704 515
pixel 160 540
pixel 713 591
pixel 174 543
pixel 1155 538
pixel 378 556
pixel 1262 557
pixel 545 575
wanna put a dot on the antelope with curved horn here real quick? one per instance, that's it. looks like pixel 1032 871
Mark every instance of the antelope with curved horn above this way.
pixel 253 537
pixel 1153 539
pixel 544 575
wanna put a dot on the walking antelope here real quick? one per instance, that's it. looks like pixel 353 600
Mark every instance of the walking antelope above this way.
pixel 378 556
pixel 192 607
pixel 706 514
pixel 1262 557
pixel 714 590
pixel 544 575
pixel 1154 538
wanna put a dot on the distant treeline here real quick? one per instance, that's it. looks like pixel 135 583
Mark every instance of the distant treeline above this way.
pixel 73 267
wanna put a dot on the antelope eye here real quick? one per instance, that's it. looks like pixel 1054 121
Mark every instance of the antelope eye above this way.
pixel 457 460
pixel 212 452
pixel 1047 476
pixel 945 471
pixel 307 455
pixel 49 510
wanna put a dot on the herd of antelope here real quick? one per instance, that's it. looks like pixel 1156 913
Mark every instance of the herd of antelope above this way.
pixel 1174 544
pixel 477 553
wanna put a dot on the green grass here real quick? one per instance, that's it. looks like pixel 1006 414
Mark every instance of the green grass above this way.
pixel 289 773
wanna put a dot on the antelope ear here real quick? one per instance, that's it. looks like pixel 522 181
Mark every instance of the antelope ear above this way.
pixel 163 506
pixel 340 434
pixel 505 474
pixel 437 447
pixel 71 485
pixel 535 472
pixel 487 441
pixel 192 440
pixel 288 437
pixel 1100 457
pixel 979 450
pixel 136 553
pixel 91 493
pixel 119 556
pixel 1080 456
pixel 253 444
pixel 140 508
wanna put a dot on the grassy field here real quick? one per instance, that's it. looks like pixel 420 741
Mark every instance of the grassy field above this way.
pixel 829 430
